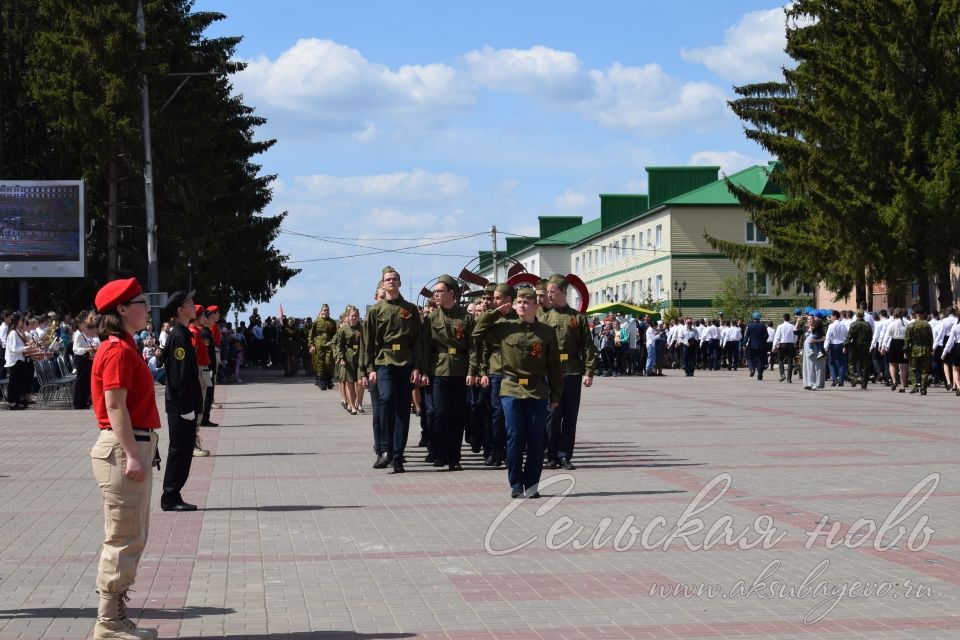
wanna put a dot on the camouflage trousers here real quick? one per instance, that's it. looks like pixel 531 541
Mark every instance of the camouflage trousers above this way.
pixel 920 366
pixel 860 366
pixel 323 362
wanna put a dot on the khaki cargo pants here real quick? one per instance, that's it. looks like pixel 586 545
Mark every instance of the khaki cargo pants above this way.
pixel 126 510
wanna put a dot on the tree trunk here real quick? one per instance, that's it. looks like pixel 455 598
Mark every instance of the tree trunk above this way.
pixel 112 217
pixel 945 287
pixel 861 286
pixel 923 290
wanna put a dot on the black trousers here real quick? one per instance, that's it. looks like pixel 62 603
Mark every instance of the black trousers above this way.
pixel 785 355
pixel 81 386
pixel 208 395
pixel 183 437
pixel 21 379
pixel 449 414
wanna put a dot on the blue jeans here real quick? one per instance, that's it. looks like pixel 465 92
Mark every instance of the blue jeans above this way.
pixel 393 383
pixel 498 428
pixel 525 419
pixel 562 421
pixel 837 363
pixel 651 357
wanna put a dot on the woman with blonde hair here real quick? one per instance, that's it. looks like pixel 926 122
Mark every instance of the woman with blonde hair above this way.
pixel 346 350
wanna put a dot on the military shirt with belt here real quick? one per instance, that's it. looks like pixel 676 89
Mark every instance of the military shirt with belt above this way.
pixel 347 344
pixel 530 356
pixel 578 356
pixel 448 338
pixel 490 354
pixel 392 335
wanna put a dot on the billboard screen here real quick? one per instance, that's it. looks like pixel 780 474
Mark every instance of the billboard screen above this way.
pixel 42 226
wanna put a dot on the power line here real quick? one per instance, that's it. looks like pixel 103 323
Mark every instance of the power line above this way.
pixel 298 233
pixel 405 250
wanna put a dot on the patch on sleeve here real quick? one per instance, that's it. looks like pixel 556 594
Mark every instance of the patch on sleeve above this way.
pixel 179 353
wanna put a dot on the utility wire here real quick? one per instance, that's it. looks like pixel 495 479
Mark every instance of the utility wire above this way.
pixel 406 250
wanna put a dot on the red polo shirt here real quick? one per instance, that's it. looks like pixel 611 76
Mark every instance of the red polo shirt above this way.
pixel 203 356
pixel 215 330
pixel 118 365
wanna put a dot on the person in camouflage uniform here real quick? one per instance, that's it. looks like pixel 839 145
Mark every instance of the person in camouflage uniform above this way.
pixel 321 350
pixel 857 347
pixel 289 339
pixel 918 346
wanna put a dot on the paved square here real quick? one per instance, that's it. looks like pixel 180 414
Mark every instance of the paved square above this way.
pixel 297 537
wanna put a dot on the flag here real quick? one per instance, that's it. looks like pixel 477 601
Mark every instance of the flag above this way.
pixel 281 311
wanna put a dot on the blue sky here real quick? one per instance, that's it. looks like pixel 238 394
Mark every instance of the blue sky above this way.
pixel 430 120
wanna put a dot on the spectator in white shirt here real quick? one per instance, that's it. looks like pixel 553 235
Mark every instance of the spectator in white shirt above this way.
pixel 946 328
pixel 19 369
pixel 880 365
pixel 85 343
pixel 785 346
pixel 892 346
pixel 837 359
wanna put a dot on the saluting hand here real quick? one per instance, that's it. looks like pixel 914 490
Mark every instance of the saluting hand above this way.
pixel 504 309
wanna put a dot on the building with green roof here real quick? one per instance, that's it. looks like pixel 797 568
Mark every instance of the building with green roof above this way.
pixel 646 243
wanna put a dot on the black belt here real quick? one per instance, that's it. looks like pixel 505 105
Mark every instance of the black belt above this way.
pixel 525 381
pixel 143 436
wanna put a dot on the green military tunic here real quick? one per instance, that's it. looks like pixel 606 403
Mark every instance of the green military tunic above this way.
pixel 529 353
pixel 346 348
pixel 578 355
pixel 320 338
pixel 918 347
pixel 857 343
pixel 448 338
pixel 392 335
pixel 490 351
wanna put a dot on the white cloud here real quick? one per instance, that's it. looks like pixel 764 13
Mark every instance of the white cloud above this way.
pixel 571 200
pixel 641 99
pixel 334 85
pixel 752 49
pixel 538 71
pixel 367 134
pixel 334 82
pixel 729 161
pixel 416 187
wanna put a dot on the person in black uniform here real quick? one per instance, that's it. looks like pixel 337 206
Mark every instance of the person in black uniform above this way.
pixel 184 400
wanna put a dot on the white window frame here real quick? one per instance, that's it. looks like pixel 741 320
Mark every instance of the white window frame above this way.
pixel 749 226
pixel 659 282
pixel 658 237
pixel 576 265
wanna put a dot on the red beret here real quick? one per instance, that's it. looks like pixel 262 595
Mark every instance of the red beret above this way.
pixel 198 309
pixel 115 292
pixel 212 308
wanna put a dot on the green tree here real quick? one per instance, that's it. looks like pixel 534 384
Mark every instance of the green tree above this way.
pixel 866 130
pixel 75 70
pixel 737 297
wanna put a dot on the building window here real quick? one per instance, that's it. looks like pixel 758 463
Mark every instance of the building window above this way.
pixel 649 287
pixel 755 235
pixel 660 287
pixel 623 245
pixel 633 244
pixel 616 250
pixel 533 266
pixel 576 265
pixel 596 258
pixel 649 244
pixel 759 282
pixel 659 236
pixel 633 290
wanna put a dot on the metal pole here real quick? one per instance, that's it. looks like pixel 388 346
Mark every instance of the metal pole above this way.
pixel 153 273
pixel 493 235
pixel 23 288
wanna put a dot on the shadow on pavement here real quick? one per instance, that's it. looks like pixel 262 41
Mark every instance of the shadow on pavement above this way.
pixel 248 455
pixel 310 635
pixel 263 424
pixel 604 494
pixel 91 612
pixel 282 508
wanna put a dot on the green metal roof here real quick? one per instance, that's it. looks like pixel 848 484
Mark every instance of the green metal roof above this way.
pixel 755 179
pixel 572 236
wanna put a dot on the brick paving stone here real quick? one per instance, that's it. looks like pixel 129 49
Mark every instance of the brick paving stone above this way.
pixel 297 537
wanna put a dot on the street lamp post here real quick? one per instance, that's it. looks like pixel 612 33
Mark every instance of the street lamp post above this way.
pixel 679 288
